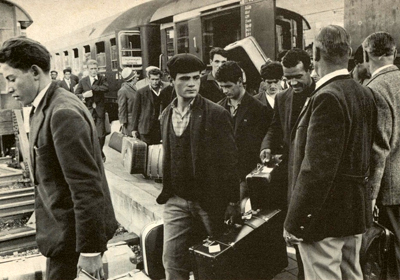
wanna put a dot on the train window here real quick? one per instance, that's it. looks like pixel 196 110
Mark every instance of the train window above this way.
pixel 86 53
pixel 114 54
pixel 75 61
pixel 182 37
pixel 130 49
pixel 170 42
pixel 101 55
pixel 66 59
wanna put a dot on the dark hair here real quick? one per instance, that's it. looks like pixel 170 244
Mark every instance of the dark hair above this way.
pixel 66 70
pixel 281 55
pixel 230 71
pixel 379 43
pixel 156 72
pixel 53 71
pixel 359 55
pixel 333 43
pixel 219 51
pixel 294 57
pixel 271 70
pixel 21 53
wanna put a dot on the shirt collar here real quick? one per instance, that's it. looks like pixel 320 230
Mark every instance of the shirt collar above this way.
pixel 238 102
pixel 330 76
pixel 39 97
pixel 381 68
pixel 174 103
pixel 271 100
pixel 92 79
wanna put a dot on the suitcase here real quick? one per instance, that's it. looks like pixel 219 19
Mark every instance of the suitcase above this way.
pixel 155 162
pixel 134 155
pixel 151 243
pixel 117 260
pixel 267 185
pixel 116 141
pixel 254 251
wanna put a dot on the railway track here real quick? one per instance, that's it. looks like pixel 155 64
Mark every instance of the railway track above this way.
pixel 17 239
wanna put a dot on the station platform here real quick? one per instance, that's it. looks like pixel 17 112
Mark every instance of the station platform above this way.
pixel 134 199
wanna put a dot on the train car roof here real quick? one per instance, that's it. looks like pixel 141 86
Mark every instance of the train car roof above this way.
pixel 21 15
pixel 133 17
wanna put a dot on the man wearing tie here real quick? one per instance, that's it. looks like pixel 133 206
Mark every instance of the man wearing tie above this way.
pixel 91 90
pixel 67 83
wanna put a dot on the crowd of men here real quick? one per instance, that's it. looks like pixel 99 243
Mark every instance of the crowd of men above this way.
pixel 339 140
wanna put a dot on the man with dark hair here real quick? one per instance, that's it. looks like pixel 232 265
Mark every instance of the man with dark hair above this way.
pixel 360 71
pixel 74 214
pixel 249 119
pixel 152 101
pixel 380 53
pixel 67 83
pixel 53 75
pixel 74 78
pixel 199 166
pixel 209 87
pixel 329 165
pixel 288 104
pixel 92 90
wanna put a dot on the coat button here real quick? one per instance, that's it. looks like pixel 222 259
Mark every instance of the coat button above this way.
pixel 309 216
pixel 302 227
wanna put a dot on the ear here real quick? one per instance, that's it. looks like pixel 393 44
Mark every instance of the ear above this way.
pixel 317 55
pixel 36 71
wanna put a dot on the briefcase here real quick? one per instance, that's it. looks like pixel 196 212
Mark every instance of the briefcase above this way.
pixel 116 141
pixel 134 155
pixel 254 251
pixel 377 254
pixel 267 185
pixel 151 243
pixel 155 162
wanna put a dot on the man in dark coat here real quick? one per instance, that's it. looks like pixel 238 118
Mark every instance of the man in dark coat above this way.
pixel 329 165
pixel 380 49
pixel 67 83
pixel 92 90
pixel 199 166
pixel 74 214
pixel 209 87
pixel 249 119
pixel 128 100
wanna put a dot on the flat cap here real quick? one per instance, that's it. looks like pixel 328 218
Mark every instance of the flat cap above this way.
pixel 128 74
pixel 184 63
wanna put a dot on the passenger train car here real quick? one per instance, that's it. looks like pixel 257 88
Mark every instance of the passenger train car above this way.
pixel 151 33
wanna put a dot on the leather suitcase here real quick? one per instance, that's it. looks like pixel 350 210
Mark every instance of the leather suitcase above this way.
pixel 267 185
pixel 151 243
pixel 134 155
pixel 254 251
pixel 116 141
pixel 155 162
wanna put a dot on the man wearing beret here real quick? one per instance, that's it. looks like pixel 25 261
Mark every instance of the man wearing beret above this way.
pixel 200 158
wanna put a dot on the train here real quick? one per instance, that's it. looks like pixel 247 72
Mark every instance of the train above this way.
pixel 152 32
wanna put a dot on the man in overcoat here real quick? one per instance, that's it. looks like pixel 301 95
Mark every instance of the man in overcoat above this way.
pixel 128 100
pixel 199 166
pixel 331 146
pixel 74 214
pixel 92 90
pixel 380 52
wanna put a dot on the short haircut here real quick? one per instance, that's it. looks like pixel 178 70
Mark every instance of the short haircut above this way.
pixel 21 53
pixel 272 70
pixel 333 42
pixel 294 57
pixel 91 62
pixel 219 51
pixel 379 44
pixel 53 71
pixel 230 71
pixel 67 70
pixel 281 55
pixel 155 71
pixel 359 55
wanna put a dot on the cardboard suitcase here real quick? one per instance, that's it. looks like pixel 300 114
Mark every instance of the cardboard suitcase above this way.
pixel 155 162
pixel 267 185
pixel 134 155
pixel 151 243
pixel 115 141
pixel 254 251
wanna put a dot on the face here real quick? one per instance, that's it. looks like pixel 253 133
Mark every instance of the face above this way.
pixel 216 62
pixel 272 86
pixel 53 75
pixel 67 75
pixel 230 89
pixel 155 81
pixel 297 77
pixel 92 70
pixel 187 85
pixel 22 85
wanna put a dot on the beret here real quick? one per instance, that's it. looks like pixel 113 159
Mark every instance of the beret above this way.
pixel 272 70
pixel 184 63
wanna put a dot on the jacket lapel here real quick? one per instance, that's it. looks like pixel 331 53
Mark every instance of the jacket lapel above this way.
pixel 195 130
pixel 242 110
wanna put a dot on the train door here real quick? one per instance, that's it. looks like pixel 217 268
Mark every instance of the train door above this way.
pixel 130 50
pixel 167 44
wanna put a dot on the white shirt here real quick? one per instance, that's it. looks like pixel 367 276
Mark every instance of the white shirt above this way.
pixel 330 76
pixel 92 79
pixel 39 97
pixel 270 99
pixel 379 69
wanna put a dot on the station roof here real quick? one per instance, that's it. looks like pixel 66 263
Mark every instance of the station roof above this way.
pixel 22 16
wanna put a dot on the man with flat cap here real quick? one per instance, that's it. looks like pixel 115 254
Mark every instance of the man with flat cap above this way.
pixel 200 157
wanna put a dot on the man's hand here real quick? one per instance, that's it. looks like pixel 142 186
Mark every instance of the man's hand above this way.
pixel 87 94
pixel 92 265
pixel 232 214
pixel 265 155
pixel 291 239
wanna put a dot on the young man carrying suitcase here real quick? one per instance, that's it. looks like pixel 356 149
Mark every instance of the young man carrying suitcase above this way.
pixel 200 158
